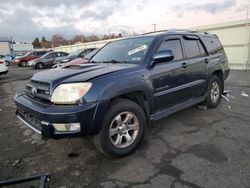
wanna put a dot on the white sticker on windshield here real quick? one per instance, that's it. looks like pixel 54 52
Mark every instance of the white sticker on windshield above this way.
pixel 140 48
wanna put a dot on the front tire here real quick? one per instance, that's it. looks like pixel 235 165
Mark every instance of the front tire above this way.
pixel 122 129
pixel 214 92
pixel 23 63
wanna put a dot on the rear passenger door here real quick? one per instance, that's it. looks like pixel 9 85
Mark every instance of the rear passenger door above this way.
pixel 168 78
pixel 196 64
pixel 50 59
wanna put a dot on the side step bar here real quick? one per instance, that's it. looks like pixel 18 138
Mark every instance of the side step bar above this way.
pixel 176 108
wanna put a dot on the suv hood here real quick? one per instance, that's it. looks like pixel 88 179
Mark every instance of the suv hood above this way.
pixel 78 73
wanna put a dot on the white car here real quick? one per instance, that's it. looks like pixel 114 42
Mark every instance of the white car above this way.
pixel 3 67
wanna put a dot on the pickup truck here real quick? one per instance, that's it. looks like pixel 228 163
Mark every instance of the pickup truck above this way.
pixel 127 85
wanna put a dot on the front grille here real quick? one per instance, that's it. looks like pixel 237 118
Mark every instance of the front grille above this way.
pixel 38 90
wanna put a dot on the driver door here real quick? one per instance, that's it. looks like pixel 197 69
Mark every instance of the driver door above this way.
pixel 169 78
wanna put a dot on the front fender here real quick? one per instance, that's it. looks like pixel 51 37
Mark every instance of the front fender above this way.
pixel 125 86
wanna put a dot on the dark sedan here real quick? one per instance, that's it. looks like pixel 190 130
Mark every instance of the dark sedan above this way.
pixel 47 60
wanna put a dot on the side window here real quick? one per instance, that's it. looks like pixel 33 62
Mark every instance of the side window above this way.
pixel 41 53
pixel 57 54
pixel 202 50
pixel 175 46
pixel 192 48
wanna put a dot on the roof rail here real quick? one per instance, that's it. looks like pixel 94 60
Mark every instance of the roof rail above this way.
pixel 188 31
pixel 179 30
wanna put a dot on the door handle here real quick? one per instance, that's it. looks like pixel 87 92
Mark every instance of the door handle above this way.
pixel 184 65
pixel 206 60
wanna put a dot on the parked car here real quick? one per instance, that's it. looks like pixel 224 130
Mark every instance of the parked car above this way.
pixel 79 60
pixel 47 60
pixel 3 67
pixel 130 83
pixel 8 58
pixel 23 60
pixel 79 53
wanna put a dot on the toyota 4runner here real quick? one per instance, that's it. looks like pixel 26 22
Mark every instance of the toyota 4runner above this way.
pixel 127 84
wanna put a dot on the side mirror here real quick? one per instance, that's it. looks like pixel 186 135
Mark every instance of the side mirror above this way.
pixel 163 56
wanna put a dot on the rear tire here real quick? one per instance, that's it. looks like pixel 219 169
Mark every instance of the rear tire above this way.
pixel 122 129
pixel 214 92
pixel 7 63
pixel 39 66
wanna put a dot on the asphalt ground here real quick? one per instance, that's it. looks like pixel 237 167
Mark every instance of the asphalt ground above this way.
pixel 196 147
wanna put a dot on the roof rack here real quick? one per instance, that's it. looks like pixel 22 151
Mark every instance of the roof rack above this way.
pixel 188 31
pixel 179 30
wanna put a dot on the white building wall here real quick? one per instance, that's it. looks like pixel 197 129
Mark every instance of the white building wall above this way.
pixel 234 36
pixel 4 48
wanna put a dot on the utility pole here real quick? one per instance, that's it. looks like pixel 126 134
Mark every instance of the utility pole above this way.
pixel 154 25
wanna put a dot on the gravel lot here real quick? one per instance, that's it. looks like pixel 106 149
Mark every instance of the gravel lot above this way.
pixel 192 148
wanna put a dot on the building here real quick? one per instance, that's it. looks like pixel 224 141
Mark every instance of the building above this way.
pixel 22 48
pixel 4 45
pixel 235 37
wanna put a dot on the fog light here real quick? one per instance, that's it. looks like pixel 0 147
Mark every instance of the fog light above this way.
pixel 67 127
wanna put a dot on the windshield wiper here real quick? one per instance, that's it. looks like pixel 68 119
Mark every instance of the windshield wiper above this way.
pixel 114 61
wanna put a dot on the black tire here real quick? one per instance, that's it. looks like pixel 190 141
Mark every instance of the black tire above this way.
pixel 23 63
pixel 7 63
pixel 211 102
pixel 39 66
pixel 103 139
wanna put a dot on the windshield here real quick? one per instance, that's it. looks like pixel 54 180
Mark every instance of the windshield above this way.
pixel 129 50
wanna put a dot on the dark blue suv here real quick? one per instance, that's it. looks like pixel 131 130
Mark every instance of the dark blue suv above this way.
pixel 128 84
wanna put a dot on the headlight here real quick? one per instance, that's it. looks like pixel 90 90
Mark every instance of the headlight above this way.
pixel 70 93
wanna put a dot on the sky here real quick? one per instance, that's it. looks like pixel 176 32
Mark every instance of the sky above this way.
pixel 27 19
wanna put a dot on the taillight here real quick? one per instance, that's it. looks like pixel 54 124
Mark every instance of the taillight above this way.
pixel 1 62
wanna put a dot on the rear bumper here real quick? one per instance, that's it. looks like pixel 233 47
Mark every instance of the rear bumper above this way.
pixel 40 117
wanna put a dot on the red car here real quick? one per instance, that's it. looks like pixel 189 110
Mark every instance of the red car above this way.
pixel 23 60
pixel 79 60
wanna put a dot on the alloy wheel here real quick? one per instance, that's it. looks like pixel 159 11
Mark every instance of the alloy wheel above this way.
pixel 124 129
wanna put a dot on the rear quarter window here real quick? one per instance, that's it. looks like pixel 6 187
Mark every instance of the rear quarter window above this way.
pixel 213 45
